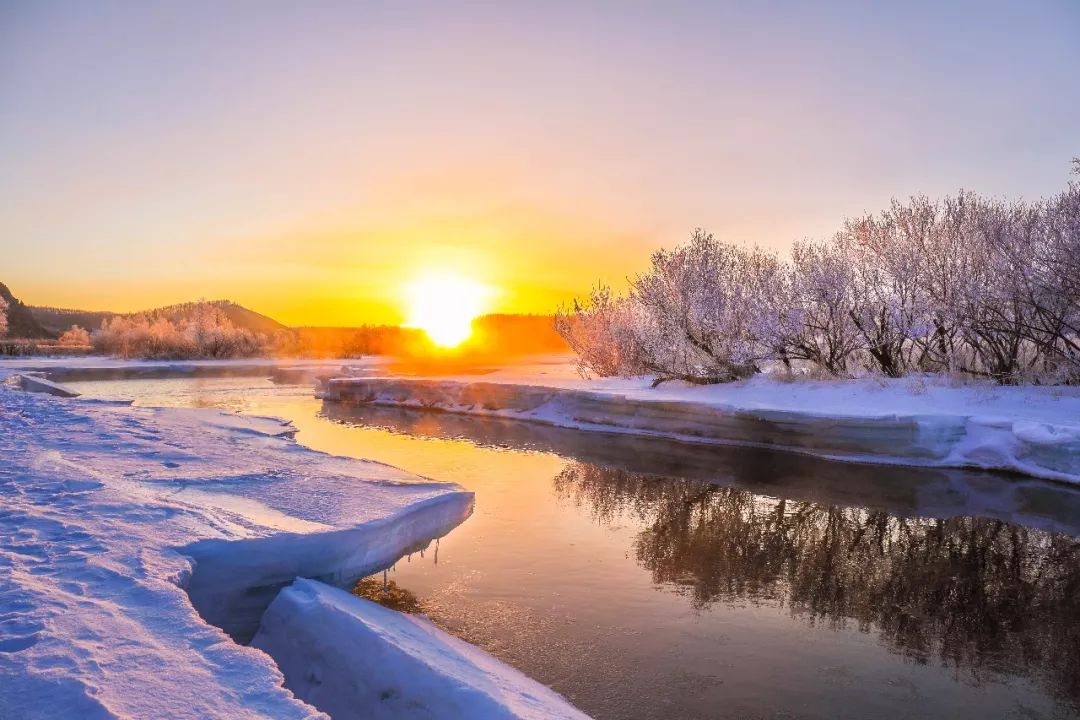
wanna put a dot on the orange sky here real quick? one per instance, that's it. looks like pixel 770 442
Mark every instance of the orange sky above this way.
pixel 309 161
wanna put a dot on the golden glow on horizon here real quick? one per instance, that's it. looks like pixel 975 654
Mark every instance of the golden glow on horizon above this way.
pixel 444 305
pixel 336 270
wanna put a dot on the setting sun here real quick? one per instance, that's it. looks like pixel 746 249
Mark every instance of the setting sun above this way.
pixel 444 306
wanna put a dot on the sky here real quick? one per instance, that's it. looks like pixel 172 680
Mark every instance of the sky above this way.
pixel 310 160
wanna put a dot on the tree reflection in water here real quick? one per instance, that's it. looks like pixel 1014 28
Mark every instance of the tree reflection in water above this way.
pixel 980 595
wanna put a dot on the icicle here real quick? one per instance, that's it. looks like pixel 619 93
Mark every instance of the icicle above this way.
pixel 385 585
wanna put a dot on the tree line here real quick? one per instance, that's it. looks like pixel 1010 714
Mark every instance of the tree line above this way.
pixel 967 285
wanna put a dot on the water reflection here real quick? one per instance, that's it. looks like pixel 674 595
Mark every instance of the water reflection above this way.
pixel 922 492
pixel 975 572
pixel 977 594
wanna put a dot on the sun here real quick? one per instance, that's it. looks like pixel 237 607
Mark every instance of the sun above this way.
pixel 444 305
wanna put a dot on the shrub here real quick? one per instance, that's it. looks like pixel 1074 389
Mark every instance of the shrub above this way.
pixel 603 330
pixel 75 336
pixel 707 304
pixel 817 324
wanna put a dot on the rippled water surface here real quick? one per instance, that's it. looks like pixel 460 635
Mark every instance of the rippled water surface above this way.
pixel 643 579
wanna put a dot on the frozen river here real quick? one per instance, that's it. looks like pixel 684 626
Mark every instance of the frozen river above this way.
pixel 643 579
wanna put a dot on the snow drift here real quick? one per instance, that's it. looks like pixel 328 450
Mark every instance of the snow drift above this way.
pixel 1029 430
pixel 353 658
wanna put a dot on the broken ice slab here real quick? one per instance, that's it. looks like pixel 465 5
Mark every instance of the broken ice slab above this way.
pixel 352 658
pixel 32 383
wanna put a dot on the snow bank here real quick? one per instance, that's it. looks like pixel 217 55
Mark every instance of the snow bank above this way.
pixel 1034 431
pixel 355 659
pixel 107 513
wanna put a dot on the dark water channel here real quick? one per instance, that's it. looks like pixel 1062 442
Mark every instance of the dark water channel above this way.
pixel 645 579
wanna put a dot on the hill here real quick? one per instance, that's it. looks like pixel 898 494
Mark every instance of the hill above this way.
pixel 59 319
pixel 238 315
pixel 21 320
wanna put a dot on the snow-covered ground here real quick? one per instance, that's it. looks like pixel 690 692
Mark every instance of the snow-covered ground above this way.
pixel 111 514
pixel 923 421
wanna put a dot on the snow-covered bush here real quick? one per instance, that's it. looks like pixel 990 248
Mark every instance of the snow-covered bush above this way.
pixel 3 317
pixel 214 336
pixel 75 336
pixel 708 304
pixel 602 329
pixel 703 312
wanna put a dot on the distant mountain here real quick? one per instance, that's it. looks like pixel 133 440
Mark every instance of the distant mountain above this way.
pixel 21 320
pixel 60 319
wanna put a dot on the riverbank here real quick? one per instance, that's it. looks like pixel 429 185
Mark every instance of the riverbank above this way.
pixel 1033 431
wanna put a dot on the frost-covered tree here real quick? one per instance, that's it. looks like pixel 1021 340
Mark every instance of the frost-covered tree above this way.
pixel 602 329
pixel 213 335
pixel 3 317
pixel 994 305
pixel 75 336
pixel 818 303
pixel 890 308
pixel 1042 258
pixel 707 303
pixel 947 263
pixel 1056 280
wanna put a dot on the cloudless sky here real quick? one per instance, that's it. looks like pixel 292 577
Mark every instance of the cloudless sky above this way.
pixel 308 159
